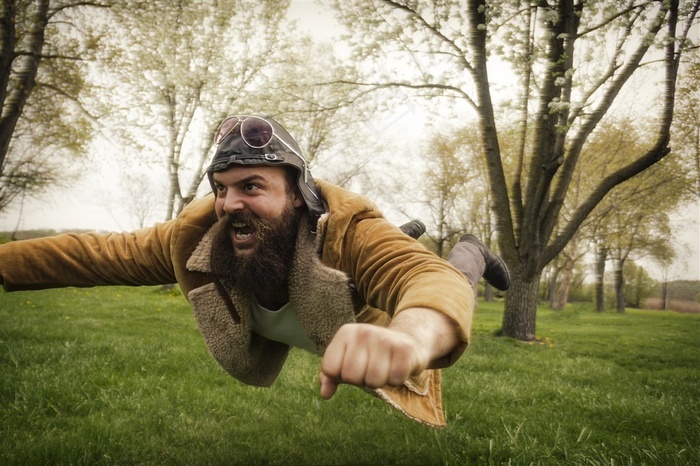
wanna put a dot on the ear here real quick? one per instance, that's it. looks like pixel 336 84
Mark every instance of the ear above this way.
pixel 298 199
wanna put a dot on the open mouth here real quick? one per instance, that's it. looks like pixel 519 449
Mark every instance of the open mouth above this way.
pixel 242 231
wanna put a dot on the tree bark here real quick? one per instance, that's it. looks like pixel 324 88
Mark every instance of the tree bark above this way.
pixel 520 314
pixel 552 284
pixel 563 286
pixel 600 256
pixel 488 293
pixel 26 69
pixel 664 295
pixel 619 281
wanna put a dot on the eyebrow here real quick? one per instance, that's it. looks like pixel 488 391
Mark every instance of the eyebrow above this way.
pixel 247 179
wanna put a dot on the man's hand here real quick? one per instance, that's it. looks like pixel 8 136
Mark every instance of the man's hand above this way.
pixel 371 356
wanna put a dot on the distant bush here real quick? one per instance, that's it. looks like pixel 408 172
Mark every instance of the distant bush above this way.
pixel 684 290
pixel 6 236
pixel 584 293
pixel 678 305
pixel 28 234
pixel 638 285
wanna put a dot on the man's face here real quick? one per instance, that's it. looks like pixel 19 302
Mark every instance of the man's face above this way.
pixel 252 197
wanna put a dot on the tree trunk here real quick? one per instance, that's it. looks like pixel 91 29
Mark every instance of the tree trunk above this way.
pixel 619 285
pixel 664 295
pixel 488 293
pixel 600 256
pixel 552 284
pixel 520 312
pixel 26 67
pixel 563 287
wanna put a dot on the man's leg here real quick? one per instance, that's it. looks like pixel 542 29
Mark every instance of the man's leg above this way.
pixel 471 257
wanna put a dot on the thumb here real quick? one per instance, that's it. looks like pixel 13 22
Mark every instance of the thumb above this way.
pixel 328 386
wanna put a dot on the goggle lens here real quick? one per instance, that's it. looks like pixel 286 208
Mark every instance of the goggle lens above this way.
pixel 256 132
pixel 225 128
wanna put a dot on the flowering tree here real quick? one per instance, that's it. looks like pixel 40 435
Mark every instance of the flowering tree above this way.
pixel 570 60
pixel 42 52
pixel 177 69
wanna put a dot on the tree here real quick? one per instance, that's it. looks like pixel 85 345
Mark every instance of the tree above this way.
pixel 687 121
pixel 43 48
pixel 633 219
pixel 601 255
pixel 445 183
pixel 564 89
pixel 314 112
pixel 564 268
pixel 640 233
pixel 178 68
pixel 639 285
pixel 467 210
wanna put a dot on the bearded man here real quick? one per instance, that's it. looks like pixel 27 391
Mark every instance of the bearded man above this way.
pixel 275 260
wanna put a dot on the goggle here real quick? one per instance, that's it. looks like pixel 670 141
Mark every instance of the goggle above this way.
pixel 256 132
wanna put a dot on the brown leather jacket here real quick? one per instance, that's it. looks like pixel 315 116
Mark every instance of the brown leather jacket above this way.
pixel 387 271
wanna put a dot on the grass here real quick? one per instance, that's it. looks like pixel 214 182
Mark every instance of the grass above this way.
pixel 122 376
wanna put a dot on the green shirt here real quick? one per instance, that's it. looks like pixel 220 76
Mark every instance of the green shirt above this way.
pixel 281 325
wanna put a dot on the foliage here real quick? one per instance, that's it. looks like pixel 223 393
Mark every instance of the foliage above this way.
pixel 676 305
pixel 638 285
pixel 178 69
pixel 172 70
pixel 43 49
pixel 122 376
pixel 623 224
pixel 632 221
pixel 685 289
pixel 562 88
pixel 446 183
pixel 686 127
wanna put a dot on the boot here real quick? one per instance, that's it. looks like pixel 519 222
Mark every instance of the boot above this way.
pixel 495 271
pixel 414 228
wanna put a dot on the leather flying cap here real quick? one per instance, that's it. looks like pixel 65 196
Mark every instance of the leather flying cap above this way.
pixel 249 140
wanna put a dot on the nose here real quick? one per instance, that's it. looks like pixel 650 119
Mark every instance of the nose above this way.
pixel 233 202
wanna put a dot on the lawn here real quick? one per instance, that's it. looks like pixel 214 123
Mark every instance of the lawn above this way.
pixel 122 376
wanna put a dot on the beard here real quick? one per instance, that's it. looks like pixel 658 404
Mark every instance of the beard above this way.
pixel 264 271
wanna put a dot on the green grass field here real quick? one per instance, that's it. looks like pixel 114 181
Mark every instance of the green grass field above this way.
pixel 122 376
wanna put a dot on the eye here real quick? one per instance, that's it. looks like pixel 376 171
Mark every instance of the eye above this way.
pixel 219 188
pixel 250 187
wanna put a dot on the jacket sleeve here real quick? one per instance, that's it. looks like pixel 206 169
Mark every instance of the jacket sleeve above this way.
pixel 141 257
pixel 394 272
pixel 391 272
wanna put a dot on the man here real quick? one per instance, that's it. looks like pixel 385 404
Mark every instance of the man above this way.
pixel 275 260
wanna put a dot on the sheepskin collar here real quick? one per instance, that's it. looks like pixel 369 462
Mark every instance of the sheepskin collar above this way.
pixel 320 295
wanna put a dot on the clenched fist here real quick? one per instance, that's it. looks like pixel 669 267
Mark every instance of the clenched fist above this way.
pixel 371 356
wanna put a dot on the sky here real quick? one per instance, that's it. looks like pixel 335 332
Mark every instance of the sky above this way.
pixel 90 202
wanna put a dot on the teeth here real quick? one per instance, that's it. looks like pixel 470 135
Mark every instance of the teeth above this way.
pixel 241 230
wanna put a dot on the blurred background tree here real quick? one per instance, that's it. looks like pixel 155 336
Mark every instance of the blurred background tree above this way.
pixel 449 51
pixel 44 46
